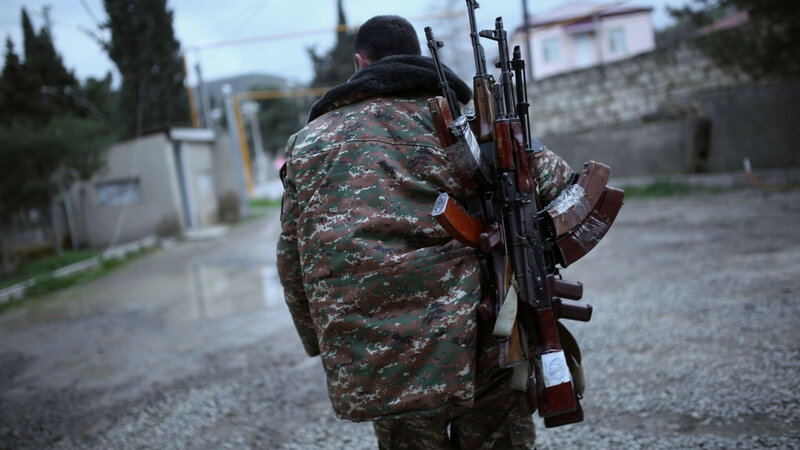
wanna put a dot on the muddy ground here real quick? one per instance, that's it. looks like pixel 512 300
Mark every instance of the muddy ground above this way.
pixel 694 343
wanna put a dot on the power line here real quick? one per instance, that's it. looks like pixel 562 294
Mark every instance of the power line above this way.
pixel 89 11
pixel 294 34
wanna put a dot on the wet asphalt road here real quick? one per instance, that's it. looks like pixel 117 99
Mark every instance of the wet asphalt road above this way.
pixel 694 343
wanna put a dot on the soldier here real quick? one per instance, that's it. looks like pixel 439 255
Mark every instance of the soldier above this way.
pixel 374 285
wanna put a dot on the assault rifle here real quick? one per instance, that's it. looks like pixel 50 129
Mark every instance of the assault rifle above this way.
pixel 519 243
pixel 481 83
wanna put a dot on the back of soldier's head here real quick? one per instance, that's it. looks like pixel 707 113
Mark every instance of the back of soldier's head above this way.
pixel 383 36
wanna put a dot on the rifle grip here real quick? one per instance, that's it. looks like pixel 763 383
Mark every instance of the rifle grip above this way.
pixel 571 310
pixel 572 290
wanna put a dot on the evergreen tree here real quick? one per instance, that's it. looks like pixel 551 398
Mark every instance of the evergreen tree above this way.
pixel 98 99
pixel 46 79
pixel 41 59
pixel 147 54
pixel 336 66
pixel 18 93
pixel 47 139
pixel 768 45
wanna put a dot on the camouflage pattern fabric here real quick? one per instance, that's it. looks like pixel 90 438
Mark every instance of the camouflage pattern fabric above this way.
pixel 494 421
pixel 374 285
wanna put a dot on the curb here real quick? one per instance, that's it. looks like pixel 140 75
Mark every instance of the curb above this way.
pixel 17 291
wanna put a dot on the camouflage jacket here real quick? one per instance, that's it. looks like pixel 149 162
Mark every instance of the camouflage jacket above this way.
pixel 373 283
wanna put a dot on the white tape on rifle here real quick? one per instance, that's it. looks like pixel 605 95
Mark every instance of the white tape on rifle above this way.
pixel 554 369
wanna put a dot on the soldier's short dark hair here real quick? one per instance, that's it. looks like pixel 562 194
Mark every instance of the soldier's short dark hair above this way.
pixel 383 36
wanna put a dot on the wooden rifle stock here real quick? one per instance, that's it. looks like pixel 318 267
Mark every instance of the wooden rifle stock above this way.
pixel 554 390
pixel 442 119
pixel 484 109
pixel 511 351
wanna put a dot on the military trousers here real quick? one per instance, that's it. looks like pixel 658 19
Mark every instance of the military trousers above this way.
pixel 493 422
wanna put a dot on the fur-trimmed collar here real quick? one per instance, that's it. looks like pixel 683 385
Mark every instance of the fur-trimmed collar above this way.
pixel 390 75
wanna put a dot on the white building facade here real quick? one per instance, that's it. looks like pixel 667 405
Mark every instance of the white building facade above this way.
pixel 580 35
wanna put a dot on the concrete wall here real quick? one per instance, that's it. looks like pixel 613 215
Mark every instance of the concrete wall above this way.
pixel 760 121
pixel 199 159
pixel 148 160
pixel 156 164
pixel 658 148
pixel 756 120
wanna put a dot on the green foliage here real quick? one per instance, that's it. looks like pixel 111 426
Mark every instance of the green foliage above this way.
pixel 46 284
pixel 44 266
pixel 263 207
pixel 265 203
pixel 48 139
pixel 147 54
pixel 278 119
pixel 33 90
pixel 35 159
pixel 768 45
pixel 97 99
pixel 336 66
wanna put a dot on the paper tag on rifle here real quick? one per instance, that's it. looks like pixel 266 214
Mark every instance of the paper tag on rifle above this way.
pixel 508 313
pixel 554 369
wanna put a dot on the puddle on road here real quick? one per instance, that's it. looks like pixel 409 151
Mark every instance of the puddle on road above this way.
pixel 177 295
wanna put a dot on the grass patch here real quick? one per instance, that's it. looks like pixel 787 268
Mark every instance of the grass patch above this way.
pixel 44 266
pixel 46 284
pixel 262 207
pixel 665 188
pixel 265 203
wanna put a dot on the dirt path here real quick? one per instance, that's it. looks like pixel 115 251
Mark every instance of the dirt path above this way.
pixel 694 343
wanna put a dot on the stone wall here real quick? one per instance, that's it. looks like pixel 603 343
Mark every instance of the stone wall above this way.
pixel 663 82
pixel 666 112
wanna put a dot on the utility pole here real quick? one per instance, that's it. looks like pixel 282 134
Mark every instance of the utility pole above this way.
pixel 528 52
pixel 48 25
pixel 233 130
pixel 205 100
pixel 250 109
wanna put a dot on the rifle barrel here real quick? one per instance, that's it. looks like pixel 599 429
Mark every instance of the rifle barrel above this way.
pixel 434 46
pixel 477 48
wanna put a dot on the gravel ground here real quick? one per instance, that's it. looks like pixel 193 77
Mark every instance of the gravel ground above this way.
pixel 694 343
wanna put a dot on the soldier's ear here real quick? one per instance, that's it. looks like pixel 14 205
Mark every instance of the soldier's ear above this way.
pixel 361 61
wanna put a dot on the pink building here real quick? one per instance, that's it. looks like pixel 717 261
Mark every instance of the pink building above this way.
pixel 580 34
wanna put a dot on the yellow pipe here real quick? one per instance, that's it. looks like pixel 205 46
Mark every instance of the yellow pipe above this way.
pixel 262 95
pixel 248 178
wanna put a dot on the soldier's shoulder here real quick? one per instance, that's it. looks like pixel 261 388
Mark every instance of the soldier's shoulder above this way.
pixel 391 117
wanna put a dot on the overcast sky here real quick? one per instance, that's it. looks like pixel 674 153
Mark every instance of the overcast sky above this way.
pixel 201 22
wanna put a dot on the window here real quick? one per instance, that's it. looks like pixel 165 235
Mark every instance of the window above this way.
pixel 118 192
pixel 584 50
pixel 551 47
pixel 616 41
